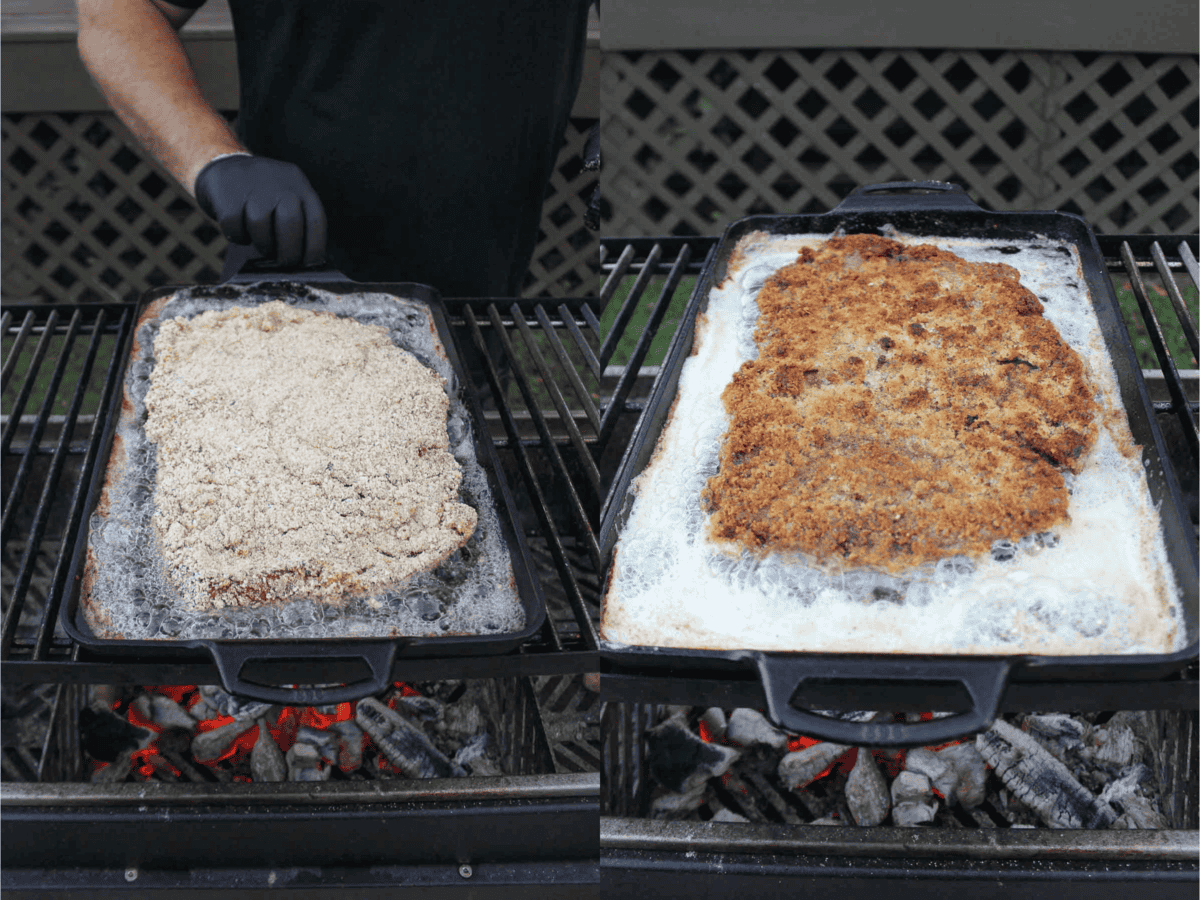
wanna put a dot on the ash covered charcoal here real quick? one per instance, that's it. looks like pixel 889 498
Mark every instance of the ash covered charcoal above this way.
pixel 446 692
pixel 325 741
pixel 174 745
pixel 117 770
pixel 1065 736
pixel 472 756
pixel 350 745
pixel 404 744
pixel 830 819
pixel 799 768
pixel 219 702
pixel 427 709
pixel 1040 781
pixel 163 711
pixel 474 748
pixel 304 764
pixel 867 791
pixel 680 760
pixel 909 814
pixel 1138 812
pixel 956 772
pixel 208 745
pixel 1125 795
pixel 912 787
pixel 672 805
pixel 1115 744
pixel 715 723
pixel 1098 750
pixel 970 775
pixel 203 710
pixel 912 799
pixel 267 762
pixel 1011 809
pixel 747 727
pixel 923 761
pixel 462 720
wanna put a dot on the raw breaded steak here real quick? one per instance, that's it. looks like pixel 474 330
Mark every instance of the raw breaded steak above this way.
pixel 299 454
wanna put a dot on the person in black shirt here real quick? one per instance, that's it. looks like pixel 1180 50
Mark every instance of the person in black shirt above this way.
pixel 397 140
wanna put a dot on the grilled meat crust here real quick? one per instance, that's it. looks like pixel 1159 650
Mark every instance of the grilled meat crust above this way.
pixel 906 406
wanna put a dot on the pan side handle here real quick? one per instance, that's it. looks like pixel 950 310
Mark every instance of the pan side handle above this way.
pixel 906 196
pixel 243 265
pixel 984 680
pixel 231 659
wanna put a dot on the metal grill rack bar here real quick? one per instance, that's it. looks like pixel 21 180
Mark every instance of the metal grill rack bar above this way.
pixel 1129 259
pixel 113 322
pixel 1133 264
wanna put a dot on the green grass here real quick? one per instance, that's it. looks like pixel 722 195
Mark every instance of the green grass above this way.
pixel 637 323
pixel 1164 311
pixel 633 331
pixel 61 402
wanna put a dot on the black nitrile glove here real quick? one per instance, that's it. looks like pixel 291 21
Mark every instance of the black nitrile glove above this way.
pixel 265 202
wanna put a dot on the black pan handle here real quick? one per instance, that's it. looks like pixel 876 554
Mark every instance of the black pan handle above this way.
pixel 232 658
pixel 906 196
pixel 983 679
pixel 243 265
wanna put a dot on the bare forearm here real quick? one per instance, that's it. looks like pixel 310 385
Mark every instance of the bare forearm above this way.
pixel 137 61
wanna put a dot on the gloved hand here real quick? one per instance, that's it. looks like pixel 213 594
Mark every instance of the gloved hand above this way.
pixel 268 203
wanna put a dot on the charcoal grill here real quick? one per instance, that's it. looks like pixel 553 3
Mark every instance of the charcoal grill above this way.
pixel 561 405
pixel 455 836
pixel 384 831
pixel 641 857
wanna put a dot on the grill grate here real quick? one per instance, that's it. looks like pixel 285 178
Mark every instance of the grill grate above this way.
pixel 564 382
pixel 561 395
pixel 37 447
pixel 1169 273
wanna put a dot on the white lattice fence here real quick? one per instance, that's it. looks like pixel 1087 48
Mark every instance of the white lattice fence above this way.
pixel 88 216
pixel 693 140
pixel 566 262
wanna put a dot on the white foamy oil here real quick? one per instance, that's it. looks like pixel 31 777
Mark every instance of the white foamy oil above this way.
pixel 1099 584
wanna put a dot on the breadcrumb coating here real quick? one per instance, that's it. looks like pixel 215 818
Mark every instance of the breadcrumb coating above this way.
pixel 299 454
pixel 906 406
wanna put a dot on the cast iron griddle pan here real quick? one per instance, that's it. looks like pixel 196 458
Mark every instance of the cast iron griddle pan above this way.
pixel 379 654
pixel 935 209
